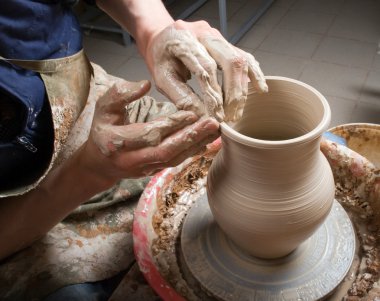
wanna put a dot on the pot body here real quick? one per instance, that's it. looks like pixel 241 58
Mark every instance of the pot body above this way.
pixel 270 187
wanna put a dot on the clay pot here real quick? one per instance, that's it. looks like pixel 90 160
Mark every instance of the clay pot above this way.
pixel 270 187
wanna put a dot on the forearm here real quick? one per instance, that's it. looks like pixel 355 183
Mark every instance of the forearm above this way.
pixel 143 19
pixel 25 218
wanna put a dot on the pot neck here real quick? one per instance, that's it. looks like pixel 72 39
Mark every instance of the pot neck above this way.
pixel 287 153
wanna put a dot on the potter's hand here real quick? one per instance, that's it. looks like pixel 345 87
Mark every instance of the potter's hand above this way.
pixel 194 47
pixel 120 149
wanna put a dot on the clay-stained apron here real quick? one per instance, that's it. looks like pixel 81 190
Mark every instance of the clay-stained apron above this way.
pixel 67 83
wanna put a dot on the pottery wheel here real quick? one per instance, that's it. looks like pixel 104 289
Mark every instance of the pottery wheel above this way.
pixel 222 270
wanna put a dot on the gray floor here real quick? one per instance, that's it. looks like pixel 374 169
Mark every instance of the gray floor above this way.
pixel 330 44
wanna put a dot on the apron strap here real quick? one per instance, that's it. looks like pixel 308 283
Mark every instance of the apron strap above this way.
pixel 45 66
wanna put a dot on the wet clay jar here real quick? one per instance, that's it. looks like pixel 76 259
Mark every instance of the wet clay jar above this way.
pixel 270 187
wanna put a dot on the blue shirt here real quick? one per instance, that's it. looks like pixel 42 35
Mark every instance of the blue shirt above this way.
pixel 32 30
pixel 38 29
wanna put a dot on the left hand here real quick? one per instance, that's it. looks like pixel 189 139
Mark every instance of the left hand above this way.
pixel 118 148
pixel 186 48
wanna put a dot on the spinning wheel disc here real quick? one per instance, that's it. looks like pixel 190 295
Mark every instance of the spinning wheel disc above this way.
pixel 222 270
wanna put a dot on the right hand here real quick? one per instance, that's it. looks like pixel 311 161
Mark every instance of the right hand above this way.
pixel 185 48
pixel 118 149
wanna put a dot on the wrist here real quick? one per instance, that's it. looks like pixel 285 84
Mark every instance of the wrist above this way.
pixel 142 19
pixel 93 167
pixel 148 28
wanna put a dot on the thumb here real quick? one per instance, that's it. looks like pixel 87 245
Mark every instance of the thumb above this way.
pixel 110 108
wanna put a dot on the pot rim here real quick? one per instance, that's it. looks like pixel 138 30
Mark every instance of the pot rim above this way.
pixel 313 134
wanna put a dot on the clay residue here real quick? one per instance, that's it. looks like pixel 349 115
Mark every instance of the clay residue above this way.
pixel 172 206
pixel 366 284
pixel 188 180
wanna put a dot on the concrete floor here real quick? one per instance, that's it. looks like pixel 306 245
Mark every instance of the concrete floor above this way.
pixel 330 44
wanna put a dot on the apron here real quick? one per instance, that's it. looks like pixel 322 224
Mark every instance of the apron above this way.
pixel 67 83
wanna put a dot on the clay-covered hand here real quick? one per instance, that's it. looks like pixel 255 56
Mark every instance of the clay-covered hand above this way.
pixel 119 149
pixel 186 48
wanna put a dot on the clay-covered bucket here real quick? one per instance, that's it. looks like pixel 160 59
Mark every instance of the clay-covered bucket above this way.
pixel 363 138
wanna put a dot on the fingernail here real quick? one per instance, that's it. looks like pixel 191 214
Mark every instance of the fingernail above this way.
pixel 143 83
pixel 141 86
pixel 239 114
pixel 184 117
pixel 263 86
pixel 220 116
pixel 211 124
pixel 191 118
pixel 228 116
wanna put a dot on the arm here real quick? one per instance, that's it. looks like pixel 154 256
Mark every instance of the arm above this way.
pixel 25 218
pixel 175 50
pixel 142 19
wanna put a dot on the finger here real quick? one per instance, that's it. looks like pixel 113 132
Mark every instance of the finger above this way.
pixel 151 169
pixel 140 135
pixel 170 84
pixel 177 143
pixel 255 74
pixel 196 59
pixel 192 151
pixel 110 108
pixel 236 88
pixel 239 97
pixel 235 74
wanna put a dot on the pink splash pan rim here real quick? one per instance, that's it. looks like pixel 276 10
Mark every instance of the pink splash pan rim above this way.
pixel 143 232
